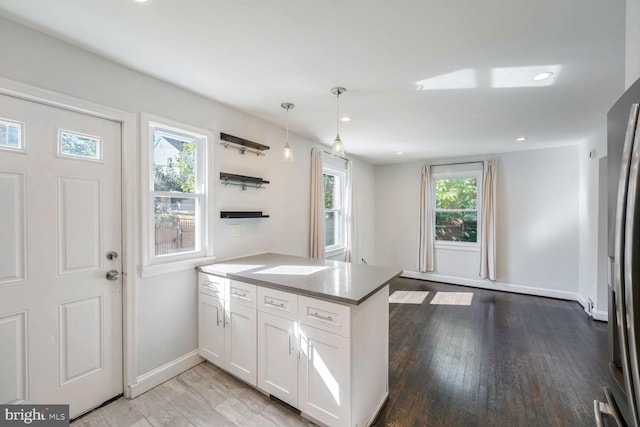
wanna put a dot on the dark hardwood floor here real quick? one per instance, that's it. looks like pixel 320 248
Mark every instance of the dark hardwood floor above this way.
pixel 505 360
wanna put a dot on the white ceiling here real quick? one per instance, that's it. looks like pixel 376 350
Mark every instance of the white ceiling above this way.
pixel 431 78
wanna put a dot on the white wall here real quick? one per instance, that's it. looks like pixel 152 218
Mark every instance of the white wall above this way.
pixel 632 42
pixel 165 313
pixel 537 215
pixel 364 210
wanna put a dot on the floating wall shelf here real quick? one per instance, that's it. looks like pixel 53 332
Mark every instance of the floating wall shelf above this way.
pixel 243 145
pixel 242 214
pixel 242 180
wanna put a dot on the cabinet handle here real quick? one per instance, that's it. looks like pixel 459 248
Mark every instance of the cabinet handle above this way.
pixel 289 344
pixel 217 316
pixel 319 316
pixel 275 304
pixel 239 294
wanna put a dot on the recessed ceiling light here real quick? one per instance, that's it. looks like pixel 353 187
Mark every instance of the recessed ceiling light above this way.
pixel 142 1
pixel 345 119
pixel 542 76
pixel 400 153
pixel 521 138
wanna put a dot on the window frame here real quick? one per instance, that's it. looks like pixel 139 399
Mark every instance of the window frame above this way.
pixel 160 264
pixel 458 174
pixel 22 148
pixel 340 246
pixel 99 146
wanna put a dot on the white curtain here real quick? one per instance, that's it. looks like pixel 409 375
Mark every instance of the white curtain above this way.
pixel 488 222
pixel 426 243
pixel 316 223
pixel 351 254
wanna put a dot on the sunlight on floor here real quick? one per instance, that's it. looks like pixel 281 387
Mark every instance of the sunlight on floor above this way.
pixel 452 298
pixel 407 297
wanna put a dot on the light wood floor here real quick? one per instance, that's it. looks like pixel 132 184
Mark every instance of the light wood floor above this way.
pixel 504 360
pixel 201 396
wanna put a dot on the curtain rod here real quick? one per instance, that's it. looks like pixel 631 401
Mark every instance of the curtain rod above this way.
pixel 458 163
pixel 340 157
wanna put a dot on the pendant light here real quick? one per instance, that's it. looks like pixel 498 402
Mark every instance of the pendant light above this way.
pixel 287 154
pixel 338 147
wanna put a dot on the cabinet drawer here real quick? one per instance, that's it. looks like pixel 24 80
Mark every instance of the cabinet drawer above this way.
pixel 324 315
pixel 242 293
pixel 278 303
pixel 212 285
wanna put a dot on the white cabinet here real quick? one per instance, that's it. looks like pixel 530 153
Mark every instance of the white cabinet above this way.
pixel 278 357
pixel 327 359
pixel 211 315
pixel 227 325
pixel 278 344
pixel 240 343
pixel 344 359
pixel 324 376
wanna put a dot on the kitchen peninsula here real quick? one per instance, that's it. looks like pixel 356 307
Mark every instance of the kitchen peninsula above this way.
pixel 312 333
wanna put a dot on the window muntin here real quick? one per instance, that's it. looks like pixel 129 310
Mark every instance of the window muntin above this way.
pixel 456 209
pixel 80 146
pixel 177 192
pixel 334 190
pixel 11 135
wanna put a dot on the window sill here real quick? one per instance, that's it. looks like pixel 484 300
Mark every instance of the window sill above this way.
pixel 458 246
pixel 334 252
pixel 173 266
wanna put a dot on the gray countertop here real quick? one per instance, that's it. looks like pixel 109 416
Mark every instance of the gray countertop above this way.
pixel 338 281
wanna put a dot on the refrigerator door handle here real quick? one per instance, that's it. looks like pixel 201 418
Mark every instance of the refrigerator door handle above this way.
pixel 631 259
pixel 619 263
pixel 600 409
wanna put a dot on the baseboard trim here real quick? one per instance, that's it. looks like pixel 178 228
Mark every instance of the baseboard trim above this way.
pixel 595 314
pixel 379 407
pixel 496 286
pixel 583 302
pixel 603 316
pixel 164 373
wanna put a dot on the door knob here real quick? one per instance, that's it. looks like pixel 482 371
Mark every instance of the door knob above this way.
pixel 113 275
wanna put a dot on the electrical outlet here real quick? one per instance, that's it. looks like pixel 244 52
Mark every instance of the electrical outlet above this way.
pixel 590 307
pixel 234 230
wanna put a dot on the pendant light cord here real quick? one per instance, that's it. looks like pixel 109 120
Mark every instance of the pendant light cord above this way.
pixel 338 113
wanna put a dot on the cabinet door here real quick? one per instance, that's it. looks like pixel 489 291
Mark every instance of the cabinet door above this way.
pixel 211 317
pixel 240 342
pixel 277 358
pixel 324 378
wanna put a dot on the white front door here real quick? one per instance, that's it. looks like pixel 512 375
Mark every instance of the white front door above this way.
pixel 60 235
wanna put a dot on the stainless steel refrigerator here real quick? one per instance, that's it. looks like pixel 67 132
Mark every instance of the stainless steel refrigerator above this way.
pixel 621 406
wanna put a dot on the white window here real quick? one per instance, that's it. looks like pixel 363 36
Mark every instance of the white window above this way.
pixel 457 207
pixel 177 194
pixel 11 135
pixel 73 144
pixel 334 216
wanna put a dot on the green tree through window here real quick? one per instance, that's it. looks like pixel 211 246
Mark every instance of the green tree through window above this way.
pixel 457 209
pixel 177 194
pixel 333 205
pixel 179 172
